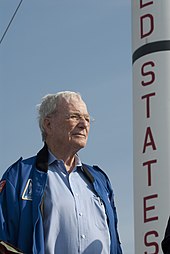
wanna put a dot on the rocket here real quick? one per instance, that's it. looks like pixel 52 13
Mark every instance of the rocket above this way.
pixel 151 122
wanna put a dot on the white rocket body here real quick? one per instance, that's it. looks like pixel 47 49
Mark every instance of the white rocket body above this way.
pixel 151 122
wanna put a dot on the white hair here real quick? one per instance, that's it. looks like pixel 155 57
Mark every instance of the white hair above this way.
pixel 49 106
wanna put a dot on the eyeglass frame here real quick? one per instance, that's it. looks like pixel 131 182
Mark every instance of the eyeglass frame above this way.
pixel 77 117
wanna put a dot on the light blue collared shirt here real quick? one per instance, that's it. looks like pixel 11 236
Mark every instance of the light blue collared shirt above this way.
pixel 75 221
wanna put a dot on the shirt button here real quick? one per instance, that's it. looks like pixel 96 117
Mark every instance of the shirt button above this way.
pixel 80 214
pixel 83 236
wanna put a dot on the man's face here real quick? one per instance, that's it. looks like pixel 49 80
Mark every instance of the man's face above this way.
pixel 69 127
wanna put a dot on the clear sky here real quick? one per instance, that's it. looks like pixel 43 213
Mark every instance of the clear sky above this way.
pixel 79 45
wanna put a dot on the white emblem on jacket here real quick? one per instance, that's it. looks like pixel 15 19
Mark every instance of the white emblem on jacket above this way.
pixel 27 193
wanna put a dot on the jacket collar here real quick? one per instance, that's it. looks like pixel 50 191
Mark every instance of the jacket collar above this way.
pixel 87 173
pixel 42 159
pixel 42 163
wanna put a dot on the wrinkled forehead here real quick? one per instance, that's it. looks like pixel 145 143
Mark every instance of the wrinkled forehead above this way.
pixel 73 104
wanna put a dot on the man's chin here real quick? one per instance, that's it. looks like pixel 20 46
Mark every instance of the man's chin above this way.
pixel 80 145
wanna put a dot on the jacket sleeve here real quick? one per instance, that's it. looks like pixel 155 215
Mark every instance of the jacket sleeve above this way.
pixel 9 211
pixel 111 197
pixel 166 240
pixel 108 189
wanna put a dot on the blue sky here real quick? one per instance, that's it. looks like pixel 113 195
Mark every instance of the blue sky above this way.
pixel 79 45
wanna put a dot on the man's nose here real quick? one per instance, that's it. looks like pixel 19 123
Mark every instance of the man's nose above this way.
pixel 84 121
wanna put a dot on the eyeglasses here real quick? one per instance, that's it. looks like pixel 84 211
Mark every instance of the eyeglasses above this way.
pixel 76 117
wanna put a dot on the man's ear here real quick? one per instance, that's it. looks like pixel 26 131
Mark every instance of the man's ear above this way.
pixel 47 125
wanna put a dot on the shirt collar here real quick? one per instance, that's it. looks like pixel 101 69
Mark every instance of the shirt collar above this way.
pixel 52 158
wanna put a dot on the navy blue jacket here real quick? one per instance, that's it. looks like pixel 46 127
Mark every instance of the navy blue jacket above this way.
pixel 21 193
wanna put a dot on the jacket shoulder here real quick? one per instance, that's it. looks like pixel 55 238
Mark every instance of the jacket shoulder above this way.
pixel 96 171
pixel 97 168
pixel 18 169
pixel 12 167
pixel 98 174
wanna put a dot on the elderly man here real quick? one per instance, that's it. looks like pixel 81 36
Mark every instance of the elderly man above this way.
pixel 52 203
